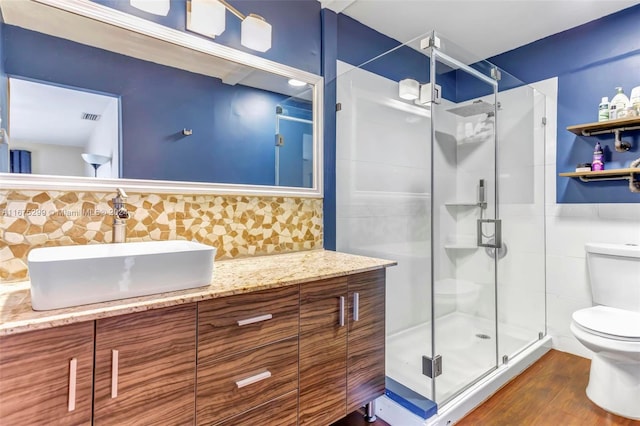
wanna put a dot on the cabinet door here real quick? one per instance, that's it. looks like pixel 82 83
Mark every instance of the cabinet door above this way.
pixel 323 351
pixel 47 376
pixel 366 338
pixel 145 367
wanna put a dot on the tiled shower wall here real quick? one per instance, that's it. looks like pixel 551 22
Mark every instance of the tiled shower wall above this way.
pixel 236 225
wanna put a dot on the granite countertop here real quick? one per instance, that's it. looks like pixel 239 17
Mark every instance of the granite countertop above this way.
pixel 230 277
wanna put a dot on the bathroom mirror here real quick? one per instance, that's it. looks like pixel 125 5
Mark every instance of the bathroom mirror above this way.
pixel 190 115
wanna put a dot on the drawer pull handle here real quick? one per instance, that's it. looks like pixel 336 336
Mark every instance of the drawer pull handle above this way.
pixel 356 306
pixel 341 320
pixel 253 379
pixel 114 373
pixel 73 370
pixel 254 320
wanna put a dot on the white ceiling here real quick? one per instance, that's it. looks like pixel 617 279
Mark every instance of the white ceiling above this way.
pixel 51 114
pixel 482 27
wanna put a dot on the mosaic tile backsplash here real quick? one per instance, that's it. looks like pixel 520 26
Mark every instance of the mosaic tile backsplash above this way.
pixel 236 225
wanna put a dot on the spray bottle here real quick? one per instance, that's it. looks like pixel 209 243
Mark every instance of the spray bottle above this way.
pixel 598 158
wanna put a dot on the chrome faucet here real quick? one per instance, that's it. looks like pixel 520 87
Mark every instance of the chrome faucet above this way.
pixel 120 215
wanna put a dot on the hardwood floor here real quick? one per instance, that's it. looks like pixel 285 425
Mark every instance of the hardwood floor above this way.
pixel 550 392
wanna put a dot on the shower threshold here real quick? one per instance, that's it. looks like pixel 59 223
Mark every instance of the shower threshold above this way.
pixel 467 345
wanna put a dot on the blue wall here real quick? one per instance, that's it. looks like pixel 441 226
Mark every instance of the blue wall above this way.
pixel 233 126
pixel 296 32
pixel 590 61
pixel 329 71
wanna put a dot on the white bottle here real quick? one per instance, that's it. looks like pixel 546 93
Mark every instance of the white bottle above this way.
pixel 603 109
pixel 620 101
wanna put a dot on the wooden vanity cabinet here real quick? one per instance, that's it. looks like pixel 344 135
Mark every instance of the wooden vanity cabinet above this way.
pixel 145 367
pixel 305 354
pixel 46 376
pixel 342 344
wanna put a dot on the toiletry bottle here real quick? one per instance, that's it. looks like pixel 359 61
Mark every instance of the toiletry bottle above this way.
pixel 634 99
pixel 598 158
pixel 620 101
pixel 603 109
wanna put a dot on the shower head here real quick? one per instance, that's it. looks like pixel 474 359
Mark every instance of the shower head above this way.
pixel 474 108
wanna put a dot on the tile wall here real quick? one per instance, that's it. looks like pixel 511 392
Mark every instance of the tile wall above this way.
pixel 237 225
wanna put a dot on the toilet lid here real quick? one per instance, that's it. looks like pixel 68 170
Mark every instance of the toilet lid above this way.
pixel 614 322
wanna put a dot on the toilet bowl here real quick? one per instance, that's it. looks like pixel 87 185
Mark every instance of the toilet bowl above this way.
pixel 611 329
pixel 614 337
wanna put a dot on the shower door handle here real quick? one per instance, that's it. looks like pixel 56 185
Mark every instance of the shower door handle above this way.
pixel 492 240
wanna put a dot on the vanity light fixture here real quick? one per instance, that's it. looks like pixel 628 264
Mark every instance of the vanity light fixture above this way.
pixel 157 7
pixel 409 89
pixel 207 17
pixel 255 33
pixel 296 83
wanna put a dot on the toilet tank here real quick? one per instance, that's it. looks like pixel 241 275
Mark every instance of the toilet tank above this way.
pixel 614 273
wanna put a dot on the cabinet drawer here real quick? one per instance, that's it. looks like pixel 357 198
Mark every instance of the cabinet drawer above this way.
pixel 240 382
pixel 282 411
pixel 236 323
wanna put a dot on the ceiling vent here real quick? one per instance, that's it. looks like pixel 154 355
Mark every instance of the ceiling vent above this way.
pixel 90 117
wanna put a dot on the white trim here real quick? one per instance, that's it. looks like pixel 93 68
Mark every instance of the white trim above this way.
pixel 74 183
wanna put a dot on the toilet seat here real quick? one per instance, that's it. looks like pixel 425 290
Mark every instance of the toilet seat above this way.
pixel 611 323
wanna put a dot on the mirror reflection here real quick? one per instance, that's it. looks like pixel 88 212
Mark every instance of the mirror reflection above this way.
pixel 80 110
pixel 67 132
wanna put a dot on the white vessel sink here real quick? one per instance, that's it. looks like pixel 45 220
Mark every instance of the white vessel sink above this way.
pixel 77 275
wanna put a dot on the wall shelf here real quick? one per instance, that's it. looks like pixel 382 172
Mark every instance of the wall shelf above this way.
pixel 613 174
pixel 616 126
pixel 602 127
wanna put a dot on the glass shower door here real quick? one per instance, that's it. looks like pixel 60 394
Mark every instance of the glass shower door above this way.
pixel 294 148
pixel 464 226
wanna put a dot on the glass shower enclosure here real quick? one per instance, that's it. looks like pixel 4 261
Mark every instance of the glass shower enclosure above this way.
pixel 440 166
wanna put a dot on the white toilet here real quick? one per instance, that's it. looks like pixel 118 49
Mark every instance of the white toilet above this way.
pixel 611 328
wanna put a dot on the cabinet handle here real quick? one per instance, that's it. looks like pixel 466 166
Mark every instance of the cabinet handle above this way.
pixel 253 379
pixel 254 320
pixel 114 373
pixel 73 370
pixel 356 306
pixel 341 320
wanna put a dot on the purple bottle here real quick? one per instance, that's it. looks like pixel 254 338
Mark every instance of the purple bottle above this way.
pixel 598 158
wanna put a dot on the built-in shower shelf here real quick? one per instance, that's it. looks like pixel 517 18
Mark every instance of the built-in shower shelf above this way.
pixel 460 246
pixel 600 175
pixel 471 140
pixel 462 204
